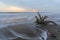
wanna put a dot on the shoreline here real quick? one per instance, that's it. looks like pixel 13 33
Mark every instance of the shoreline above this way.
pixel 52 28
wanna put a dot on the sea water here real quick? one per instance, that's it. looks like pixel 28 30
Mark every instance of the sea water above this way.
pixel 7 18
pixel 12 18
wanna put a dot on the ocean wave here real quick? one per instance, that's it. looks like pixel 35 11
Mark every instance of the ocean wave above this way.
pixel 11 20
pixel 15 20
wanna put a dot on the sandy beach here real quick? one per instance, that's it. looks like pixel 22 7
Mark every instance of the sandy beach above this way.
pixel 29 30
pixel 54 30
pixel 51 29
pixel 26 28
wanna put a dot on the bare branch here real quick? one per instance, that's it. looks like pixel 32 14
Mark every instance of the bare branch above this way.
pixel 51 22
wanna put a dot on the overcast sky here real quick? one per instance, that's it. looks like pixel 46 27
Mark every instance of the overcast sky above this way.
pixel 29 5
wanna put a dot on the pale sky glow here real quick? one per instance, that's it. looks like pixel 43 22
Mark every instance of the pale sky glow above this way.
pixel 9 8
pixel 12 9
pixel 29 5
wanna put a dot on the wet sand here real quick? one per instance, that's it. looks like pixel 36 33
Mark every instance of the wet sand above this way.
pixel 23 28
pixel 52 29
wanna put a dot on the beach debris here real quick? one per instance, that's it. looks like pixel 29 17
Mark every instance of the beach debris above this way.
pixel 42 20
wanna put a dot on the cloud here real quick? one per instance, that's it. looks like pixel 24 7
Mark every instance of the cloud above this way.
pixel 8 8
pixel 12 9
pixel 29 5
